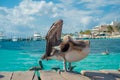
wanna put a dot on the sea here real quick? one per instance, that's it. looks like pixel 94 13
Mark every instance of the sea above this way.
pixel 22 55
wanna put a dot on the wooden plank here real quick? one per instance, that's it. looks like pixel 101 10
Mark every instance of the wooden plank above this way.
pixel 5 75
pixel 25 75
pixel 50 75
pixel 36 76
pixel 73 76
pixel 97 75
pixel 115 73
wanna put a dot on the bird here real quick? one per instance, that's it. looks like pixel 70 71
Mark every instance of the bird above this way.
pixel 66 49
pixel 106 52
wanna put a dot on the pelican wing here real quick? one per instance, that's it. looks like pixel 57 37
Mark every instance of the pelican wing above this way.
pixel 79 43
pixel 53 37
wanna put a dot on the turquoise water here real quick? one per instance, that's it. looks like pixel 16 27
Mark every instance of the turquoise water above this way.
pixel 20 56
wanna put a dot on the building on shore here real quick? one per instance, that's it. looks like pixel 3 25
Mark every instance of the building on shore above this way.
pixel 36 37
pixel 106 30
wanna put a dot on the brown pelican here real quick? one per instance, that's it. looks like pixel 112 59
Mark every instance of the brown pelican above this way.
pixel 68 50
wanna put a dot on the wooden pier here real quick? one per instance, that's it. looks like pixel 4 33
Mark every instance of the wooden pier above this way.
pixel 53 75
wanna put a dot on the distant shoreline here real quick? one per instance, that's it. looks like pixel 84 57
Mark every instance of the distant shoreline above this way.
pixel 9 40
pixel 95 38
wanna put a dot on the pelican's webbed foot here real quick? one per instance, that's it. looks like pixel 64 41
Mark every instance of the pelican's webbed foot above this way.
pixel 70 67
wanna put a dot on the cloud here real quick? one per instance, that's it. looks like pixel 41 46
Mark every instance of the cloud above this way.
pixel 94 4
pixel 27 17
pixel 106 19
pixel 37 16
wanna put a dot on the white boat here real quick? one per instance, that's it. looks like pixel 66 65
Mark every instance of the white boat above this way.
pixel 37 36
pixel 14 39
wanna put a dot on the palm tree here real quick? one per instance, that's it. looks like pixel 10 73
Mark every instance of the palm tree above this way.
pixel 87 32
pixel 81 32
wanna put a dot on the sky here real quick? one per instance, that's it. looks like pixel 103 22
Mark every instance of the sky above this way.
pixel 25 17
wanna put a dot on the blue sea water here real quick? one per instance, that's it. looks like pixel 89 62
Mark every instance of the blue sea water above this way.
pixel 22 55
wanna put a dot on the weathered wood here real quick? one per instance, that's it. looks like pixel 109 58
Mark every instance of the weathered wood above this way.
pixel 50 75
pixel 97 75
pixel 73 76
pixel 35 77
pixel 53 75
pixel 5 75
pixel 26 75
pixel 112 72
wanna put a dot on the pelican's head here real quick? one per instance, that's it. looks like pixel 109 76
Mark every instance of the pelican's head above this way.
pixel 66 38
